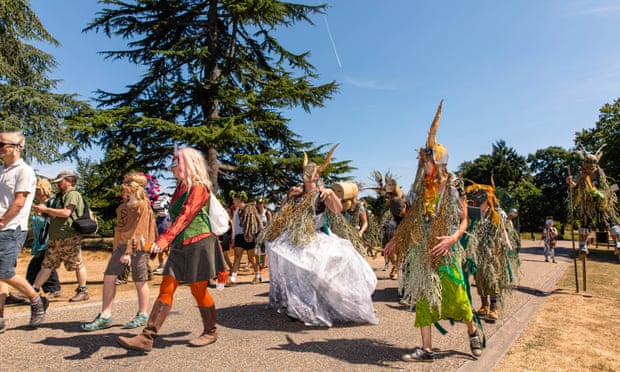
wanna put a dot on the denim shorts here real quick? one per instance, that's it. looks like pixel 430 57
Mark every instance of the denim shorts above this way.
pixel 11 244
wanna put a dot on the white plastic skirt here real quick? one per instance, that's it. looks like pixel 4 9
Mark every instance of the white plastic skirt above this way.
pixel 322 283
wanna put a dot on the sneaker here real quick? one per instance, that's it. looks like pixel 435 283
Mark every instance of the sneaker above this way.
pixel 159 270
pixel 97 324
pixel 419 355
pixel 475 344
pixel 80 295
pixel 553 260
pixel 2 325
pixel 37 312
pixel 120 281
pixel 138 321
pixel 55 294
pixel 546 259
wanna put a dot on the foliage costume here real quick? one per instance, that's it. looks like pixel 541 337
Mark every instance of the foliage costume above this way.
pixel 595 202
pixel 435 285
pixel 491 246
pixel 316 273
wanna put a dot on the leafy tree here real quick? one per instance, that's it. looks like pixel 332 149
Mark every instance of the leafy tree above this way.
pixel 504 164
pixel 606 132
pixel 528 198
pixel 215 78
pixel 550 169
pixel 26 99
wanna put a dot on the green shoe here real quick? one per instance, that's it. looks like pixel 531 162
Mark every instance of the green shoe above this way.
pixel 138 321
pixel 97 324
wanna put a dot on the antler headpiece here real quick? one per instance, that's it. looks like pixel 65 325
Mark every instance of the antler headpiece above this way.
pixel 310 168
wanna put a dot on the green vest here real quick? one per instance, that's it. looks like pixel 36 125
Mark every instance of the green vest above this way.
pixel 199 225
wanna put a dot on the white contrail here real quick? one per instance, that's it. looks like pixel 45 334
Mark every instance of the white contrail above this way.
pixel 331 39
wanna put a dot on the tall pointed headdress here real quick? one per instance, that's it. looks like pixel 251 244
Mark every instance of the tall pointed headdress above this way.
pixel 438 151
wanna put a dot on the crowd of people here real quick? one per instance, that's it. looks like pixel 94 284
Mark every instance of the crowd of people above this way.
pixel 315 242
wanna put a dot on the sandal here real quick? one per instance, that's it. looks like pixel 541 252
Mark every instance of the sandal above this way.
pixel 138 321
pixel 475 344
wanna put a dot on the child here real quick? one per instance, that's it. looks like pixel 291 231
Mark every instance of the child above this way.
pixel 550 237
pixel 135 232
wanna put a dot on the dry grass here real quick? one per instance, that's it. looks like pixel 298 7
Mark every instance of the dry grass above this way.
pixel 574 331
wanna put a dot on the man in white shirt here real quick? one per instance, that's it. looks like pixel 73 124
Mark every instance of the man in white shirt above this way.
pixel 17 186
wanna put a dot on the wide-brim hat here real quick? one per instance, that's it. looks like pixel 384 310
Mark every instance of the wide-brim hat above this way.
pixel 62 175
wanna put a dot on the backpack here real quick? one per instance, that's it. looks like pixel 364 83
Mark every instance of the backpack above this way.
pixel 85 224
pixel 218 217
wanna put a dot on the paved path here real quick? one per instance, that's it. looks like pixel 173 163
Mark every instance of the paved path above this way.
pixel 255 339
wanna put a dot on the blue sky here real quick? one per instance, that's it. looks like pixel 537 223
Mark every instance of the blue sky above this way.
pixel 530 72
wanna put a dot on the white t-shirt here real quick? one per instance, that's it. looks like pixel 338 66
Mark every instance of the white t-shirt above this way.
pixel 19 177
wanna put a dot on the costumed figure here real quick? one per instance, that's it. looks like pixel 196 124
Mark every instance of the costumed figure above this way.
pixel 246 224
pixel 427 245
pixel 316 274
pixel 355 212
pixel 595 201
pixel 195 256
pixel 550 239
pixel 492 249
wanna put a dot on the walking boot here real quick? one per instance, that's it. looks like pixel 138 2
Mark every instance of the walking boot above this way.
pixel 144 341
pixel 493 311
pixel 484 309
pixel 209 333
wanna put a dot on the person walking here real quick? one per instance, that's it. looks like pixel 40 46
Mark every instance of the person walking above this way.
pixel 40 235
pixel 194 253
pixel 17 187
pixel 427 241
pixel 135 231
pixel 316 275
pixel 550 239
pixel 64 244
pixel 492 248
pixel 245 226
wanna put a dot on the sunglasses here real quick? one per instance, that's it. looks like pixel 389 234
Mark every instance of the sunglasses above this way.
pixel 2 144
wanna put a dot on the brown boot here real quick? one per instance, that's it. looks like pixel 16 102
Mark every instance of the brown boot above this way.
pixel 494 311
pixel 144 341
pixel 484 309
pixel 394 273
pixel 209 333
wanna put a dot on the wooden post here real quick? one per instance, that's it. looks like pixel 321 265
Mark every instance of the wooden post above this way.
pixel 572 227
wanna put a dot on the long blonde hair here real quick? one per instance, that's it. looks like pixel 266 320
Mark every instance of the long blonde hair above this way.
pixel 135 183
pixel 193 167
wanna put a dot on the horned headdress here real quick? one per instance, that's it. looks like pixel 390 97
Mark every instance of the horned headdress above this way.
pixel 436 151
pixel 310 167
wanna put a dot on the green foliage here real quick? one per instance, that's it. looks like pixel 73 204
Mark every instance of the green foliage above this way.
pixel 550 168
pixel 217 80
pixel 528 198
pixel 26 99
pixel 504 165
